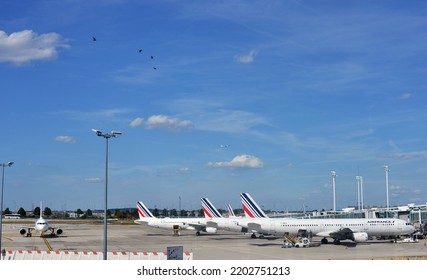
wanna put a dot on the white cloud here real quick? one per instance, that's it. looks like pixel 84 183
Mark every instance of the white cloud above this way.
pixel 247 59
pixel 184 169
pixel 25 46
pixel 239 162
pixel 230 121
pixel 93 180
pixel 406 156
pixel 136 122
pixel 162 122
pixel 405 96
pixel 397 191
pixel 107 114
pixel 65 139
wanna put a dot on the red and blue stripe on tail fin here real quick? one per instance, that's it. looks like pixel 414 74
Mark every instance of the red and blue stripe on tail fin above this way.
pixel 143 211
pixel 251 208
pixel 209 209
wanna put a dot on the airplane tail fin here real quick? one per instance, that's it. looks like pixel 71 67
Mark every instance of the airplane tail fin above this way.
pixel 251 208
pixel 230 211
pixel 143 211
pixel 210 210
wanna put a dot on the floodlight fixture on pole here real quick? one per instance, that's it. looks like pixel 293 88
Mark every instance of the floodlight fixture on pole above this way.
pixel 3 165
pixel 387 170
pixel 334 177
pixel 107 136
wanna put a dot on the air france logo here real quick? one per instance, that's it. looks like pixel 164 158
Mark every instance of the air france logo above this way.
pixel 381 222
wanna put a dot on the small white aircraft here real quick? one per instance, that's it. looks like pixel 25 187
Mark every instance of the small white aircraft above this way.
pixel 358 230
pixel 41 226
pixel 175 224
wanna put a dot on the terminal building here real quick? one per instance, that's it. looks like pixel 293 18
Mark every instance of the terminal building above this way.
pixel 416 214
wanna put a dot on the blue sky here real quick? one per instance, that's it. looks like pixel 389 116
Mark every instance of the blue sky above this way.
pixel 265 97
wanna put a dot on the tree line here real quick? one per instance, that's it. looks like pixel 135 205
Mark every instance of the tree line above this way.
pixel 129 213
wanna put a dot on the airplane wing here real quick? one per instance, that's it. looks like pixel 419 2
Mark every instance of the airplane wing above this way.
pixel 324 233
pixel 254 227
pixel 197 226
pixel 141 222
pixel 27 230
pixel 337 233
pixel 345 233
pixel 54 230
pixel 211 224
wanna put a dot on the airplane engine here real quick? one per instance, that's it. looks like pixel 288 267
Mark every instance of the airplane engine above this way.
pixel 22 231
pixel 343 234
pixel 360 237
pixel 211 230
pixel 59 231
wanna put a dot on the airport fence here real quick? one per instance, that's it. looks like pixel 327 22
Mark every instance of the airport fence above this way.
pixel 75 255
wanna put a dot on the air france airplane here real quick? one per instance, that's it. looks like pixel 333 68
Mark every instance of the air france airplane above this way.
pixel 231 211
pixel 358 230
pixel 175 224
pixel 41 226
pixel 216 220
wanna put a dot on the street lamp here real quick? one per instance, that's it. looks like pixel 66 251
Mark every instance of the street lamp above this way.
pixel 334 178
pixel 386 170
pixel 9 164
pixel 361 192
pixel 179 214
pixel 358 192
pixel 107 136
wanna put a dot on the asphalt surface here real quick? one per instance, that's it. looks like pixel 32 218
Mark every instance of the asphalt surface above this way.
pixel 88 237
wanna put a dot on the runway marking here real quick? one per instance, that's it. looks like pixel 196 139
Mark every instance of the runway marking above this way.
pixel 47 243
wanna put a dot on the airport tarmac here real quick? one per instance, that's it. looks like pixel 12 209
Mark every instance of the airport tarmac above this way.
pixel 128 237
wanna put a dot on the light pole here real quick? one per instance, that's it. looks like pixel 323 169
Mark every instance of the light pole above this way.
pixel 334 177
pixel 179 214
pixel 107 136
pixel 387 170
pixel 3 165
pixel 361 192
pixel 358 191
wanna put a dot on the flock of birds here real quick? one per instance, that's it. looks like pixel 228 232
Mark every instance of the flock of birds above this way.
pixel 140 51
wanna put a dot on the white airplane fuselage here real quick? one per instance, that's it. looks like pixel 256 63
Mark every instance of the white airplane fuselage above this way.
pixel 195 224
pixel 362 228
pixel 41 225
pixel 176 224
